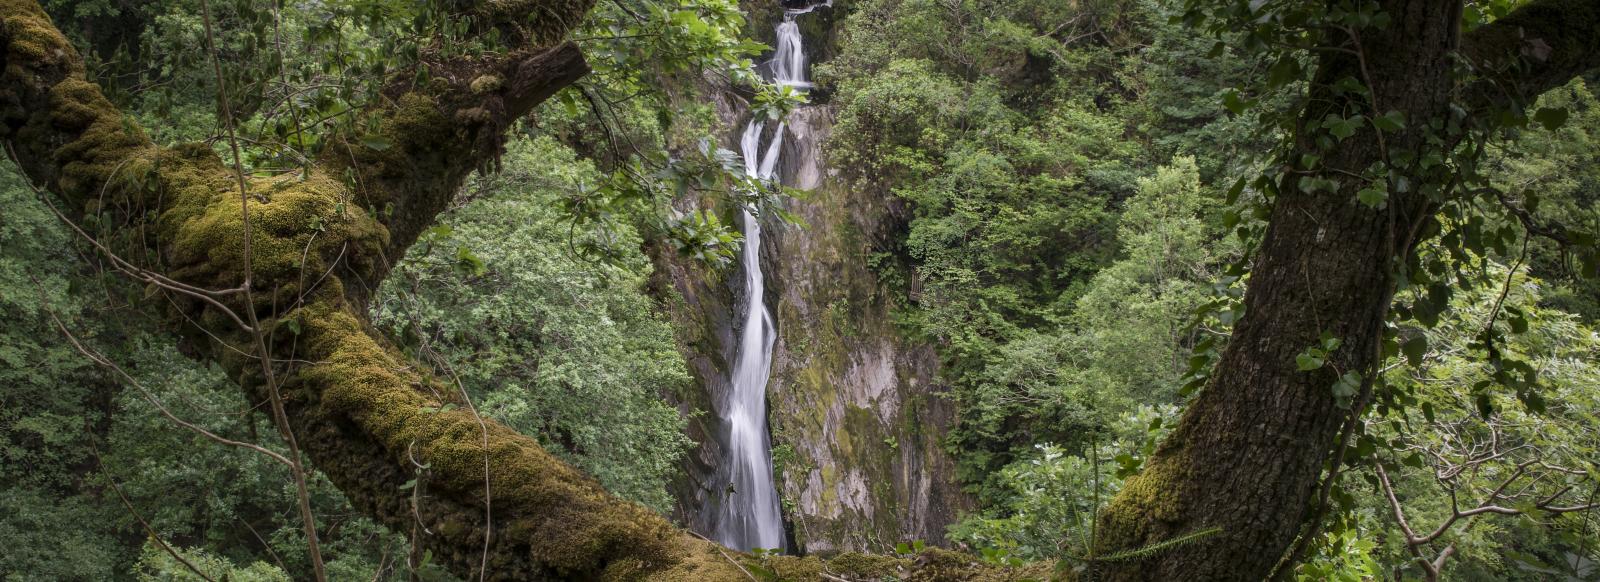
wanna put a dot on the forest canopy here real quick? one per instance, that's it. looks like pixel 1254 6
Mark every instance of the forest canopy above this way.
pixel 1126 290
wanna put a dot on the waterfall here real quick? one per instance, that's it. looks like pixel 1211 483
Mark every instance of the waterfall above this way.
pixel 748 514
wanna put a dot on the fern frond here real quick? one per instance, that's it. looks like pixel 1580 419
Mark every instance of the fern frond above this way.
pixel 1151 550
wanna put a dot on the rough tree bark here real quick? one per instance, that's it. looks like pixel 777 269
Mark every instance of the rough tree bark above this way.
pixel 1248 452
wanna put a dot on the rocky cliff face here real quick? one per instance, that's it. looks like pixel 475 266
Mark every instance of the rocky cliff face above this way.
pixel 856 403
pixel 854 406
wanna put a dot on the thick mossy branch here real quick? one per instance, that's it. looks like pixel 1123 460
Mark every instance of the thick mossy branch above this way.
pixel 1536 48
pixel 1148 507
pixel 365 415
pixel 63 130
pixel 369 418
pixel 551 521
pixel 434 136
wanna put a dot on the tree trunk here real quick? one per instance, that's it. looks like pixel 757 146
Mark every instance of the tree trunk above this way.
pixel 1247 455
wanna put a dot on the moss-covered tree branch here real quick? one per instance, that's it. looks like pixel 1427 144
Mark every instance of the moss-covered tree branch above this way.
pixel 433 136
pixel 372 420
pixel 364 414
pixel 1536 48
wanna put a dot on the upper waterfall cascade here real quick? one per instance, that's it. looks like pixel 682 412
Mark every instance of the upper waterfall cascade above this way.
pixel 749 516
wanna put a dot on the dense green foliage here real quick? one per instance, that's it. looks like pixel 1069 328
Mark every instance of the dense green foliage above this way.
pixel 1019 150
pixel 1446 444
pixel 545 342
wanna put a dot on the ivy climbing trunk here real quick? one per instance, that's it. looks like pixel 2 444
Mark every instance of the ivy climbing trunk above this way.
pixel 1248 454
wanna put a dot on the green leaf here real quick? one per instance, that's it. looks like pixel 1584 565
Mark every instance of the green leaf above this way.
pixel 376 142
pixel 1309 361
pixel 1233 193
pixel 1346 387
pixel 468 263
pixel 1533 400
pixel 1234 103
pixel 1348 84
pixel 1415 348
pixel 1287 69
pixel 1519 323
pixel 1341 127
pixel 1551 118
pixel 1314 184
pixel 1373 197
pixel 569 102
pixel 1425 313
pixel 1392 121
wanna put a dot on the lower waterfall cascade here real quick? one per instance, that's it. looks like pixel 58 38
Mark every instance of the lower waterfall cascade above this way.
pixel 749 516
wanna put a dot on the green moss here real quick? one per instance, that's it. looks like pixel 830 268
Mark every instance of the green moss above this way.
pixel 698 561
pixel 869 566
pixel 298 227
pixel 31 36
pixel 569 522
pixel 1149 506
pixel 487 83
pixel 937 565
pixel 850 565
pixel 97 140
pixel 830 487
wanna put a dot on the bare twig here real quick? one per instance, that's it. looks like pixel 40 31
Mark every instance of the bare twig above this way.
pixel 1416 543
pixel 150 397
pixel 294 112
pixel 302 491
pixel 730 559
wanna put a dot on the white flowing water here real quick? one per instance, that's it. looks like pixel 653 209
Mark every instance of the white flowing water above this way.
pixel 749 515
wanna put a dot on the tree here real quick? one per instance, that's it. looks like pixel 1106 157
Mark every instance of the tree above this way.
pixel 357 409
pixel 1504 494
pixel 1386 94
pixel 271 278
